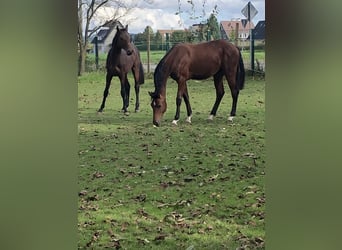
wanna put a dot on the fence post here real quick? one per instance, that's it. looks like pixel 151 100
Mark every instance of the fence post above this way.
pixel 167 47
pixel 96 53
pixel 148 51
pixel 236 33
pixel 252 51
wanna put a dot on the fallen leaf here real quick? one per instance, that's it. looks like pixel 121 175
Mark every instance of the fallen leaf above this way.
pixel 98 175
pixel 82 193
pixel 160 237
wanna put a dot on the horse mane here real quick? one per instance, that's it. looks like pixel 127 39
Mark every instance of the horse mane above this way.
pixel 159 73
pixel 112 52
pixel 116 37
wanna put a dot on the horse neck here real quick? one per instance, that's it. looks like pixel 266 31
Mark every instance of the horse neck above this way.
pixel 115 48
pixel 114 54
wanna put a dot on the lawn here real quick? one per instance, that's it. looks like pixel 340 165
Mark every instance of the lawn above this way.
pixel 191 186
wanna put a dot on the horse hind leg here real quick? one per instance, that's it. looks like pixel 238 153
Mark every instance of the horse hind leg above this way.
pixel 187 103
pixel 137 101
pixel 125 89
pixel 235 94
pixel 137 88
pixel 106 91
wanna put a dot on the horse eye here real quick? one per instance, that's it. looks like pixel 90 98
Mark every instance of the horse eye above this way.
pixel 156 105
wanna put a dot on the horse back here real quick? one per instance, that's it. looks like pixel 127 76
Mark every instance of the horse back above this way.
pixel 200 61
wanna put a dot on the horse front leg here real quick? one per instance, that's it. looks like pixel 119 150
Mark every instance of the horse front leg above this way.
pixel 124 93
pixel 219 95
pixel 180 92
pixel 178 104
pixel 188 106
pixel 128 91
pixel 106 91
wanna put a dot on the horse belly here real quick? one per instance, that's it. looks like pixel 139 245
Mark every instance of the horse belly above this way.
pixel 199 77
pixel 204 66
pixel 203 73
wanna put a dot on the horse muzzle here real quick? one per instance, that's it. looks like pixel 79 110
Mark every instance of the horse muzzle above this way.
pixel 156 123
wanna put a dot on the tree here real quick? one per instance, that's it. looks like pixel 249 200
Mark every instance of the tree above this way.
pixel 192 13
pixel 147 30
pixel 213 26
pixel 157 41
pixel 92 16
pixel 178 36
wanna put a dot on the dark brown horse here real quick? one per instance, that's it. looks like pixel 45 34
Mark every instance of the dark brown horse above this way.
pixel 198 61
pixel 122 58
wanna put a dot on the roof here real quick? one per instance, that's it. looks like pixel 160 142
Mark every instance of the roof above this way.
pixel 229 26
pixel 259 31
pixel 163 32
pixel 102 34
pixel 106 30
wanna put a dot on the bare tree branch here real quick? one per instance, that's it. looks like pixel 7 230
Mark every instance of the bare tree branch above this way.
pixel 101 4
pixel 92 17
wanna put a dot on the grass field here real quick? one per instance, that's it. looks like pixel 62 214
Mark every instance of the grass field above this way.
pixel 191 186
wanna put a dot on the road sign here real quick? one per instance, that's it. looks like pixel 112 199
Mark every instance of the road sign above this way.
pixel 249 11
pixel 244 22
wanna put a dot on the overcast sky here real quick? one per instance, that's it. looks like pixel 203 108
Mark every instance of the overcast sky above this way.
pixel 160 14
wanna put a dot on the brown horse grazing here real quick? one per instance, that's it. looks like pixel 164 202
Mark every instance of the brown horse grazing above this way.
pixel 123 57
pixel 198 61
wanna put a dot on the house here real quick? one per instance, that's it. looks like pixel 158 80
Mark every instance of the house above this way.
pixel 228 29
pixel 105 36
pixel 165 33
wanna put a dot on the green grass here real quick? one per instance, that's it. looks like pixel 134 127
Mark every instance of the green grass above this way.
pixel 199 185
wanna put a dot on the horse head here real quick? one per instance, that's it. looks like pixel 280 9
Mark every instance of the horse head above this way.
pixel 159 107
pixel 122 40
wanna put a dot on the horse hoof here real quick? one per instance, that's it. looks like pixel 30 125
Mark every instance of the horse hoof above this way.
pixel 174 122
pixel 137 110
pixel 230 118
pixel 126 113
pixel 99 112
pixel 188 119
pixel 211 117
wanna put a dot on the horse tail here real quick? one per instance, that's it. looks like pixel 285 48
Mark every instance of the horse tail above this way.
pixel 141 79
pixel 141 74
pixel 240 74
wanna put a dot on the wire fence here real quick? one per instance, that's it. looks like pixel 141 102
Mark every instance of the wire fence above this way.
pixel 151 58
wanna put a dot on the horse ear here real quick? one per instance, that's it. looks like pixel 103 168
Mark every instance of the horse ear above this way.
pixel 126 28
pixel 154 95
pixel 117 28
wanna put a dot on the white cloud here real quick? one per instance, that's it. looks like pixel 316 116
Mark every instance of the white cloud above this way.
pixel 160 14
pixel 156 18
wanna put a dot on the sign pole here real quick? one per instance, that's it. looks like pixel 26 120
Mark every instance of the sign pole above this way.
pixel 249 11
pixel 96 53
pixel 250 39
